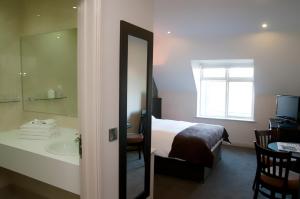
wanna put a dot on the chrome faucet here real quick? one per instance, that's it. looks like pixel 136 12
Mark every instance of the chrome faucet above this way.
pixel 77 139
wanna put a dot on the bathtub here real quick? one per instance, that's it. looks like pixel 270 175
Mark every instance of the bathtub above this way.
pixel 33 159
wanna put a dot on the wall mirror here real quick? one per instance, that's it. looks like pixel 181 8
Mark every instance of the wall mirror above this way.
pixel 136 52
pixel 49 72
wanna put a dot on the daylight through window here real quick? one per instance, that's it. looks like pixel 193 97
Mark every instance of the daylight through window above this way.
pixel 225 88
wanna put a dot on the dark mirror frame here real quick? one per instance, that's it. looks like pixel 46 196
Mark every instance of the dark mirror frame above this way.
pixel 127 29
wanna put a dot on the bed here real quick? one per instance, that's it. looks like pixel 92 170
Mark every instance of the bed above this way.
pixel 186 149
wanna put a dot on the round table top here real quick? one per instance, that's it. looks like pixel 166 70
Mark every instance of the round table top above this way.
pixel 273 146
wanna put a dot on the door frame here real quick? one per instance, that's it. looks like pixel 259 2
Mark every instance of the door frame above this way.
pixel 89 96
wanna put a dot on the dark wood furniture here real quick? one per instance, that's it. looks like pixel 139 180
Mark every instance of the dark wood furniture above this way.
pixel 156 107
pixel 295 162
pixel 287 131
pixel 274 146
pixel 137 139
pixel 184 169
pixel 154 89
pixel 276 177
pixel 264 137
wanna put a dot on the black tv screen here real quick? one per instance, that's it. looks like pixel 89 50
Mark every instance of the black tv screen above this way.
pixel 287 107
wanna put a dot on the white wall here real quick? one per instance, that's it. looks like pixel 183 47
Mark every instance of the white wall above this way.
pixel 277 69
pixel 140 13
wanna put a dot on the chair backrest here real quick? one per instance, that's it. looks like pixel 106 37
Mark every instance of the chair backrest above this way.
pixel 273 164
pixel 264 137
pixel 142 122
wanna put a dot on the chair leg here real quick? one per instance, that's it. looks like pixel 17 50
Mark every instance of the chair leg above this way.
pixel 295 195
pixel 139 147
pixel 272 195
pixel 254 183
pixel 256 191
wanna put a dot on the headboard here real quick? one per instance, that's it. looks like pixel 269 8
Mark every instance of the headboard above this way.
pixel 156 101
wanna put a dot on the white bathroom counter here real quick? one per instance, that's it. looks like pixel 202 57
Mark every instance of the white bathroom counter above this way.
pixel 30 158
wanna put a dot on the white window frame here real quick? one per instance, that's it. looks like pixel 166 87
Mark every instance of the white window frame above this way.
pixel 198 67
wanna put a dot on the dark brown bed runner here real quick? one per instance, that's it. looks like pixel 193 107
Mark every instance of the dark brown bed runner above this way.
pixel 194 144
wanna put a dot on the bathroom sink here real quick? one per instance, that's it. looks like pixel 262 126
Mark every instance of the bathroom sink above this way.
pixel 70 148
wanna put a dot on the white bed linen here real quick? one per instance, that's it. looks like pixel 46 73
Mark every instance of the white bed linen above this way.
pixel 163 133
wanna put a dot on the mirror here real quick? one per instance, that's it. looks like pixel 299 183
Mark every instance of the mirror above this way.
pixel 136 103
pixel 49 72
pixel 135 116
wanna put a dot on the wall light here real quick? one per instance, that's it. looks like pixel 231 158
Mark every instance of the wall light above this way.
pixel 74 7
pixel 169 32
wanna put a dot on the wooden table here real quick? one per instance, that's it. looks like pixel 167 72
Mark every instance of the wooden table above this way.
pixel 295 165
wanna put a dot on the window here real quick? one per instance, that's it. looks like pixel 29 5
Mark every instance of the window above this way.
pixel 225 88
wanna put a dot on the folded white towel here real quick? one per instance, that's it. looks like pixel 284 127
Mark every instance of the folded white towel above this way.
pixel 25 135
pixel 40 123
pixel 33 137
pixel 31 125
pixel 37 132
pixel 39 127
pixel 48 121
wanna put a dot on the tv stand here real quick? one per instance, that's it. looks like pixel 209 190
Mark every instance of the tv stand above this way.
pixel 288 131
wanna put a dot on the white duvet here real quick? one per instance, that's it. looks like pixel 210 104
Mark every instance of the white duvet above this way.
pixel 163 133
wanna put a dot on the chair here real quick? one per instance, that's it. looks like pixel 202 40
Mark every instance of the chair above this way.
pixel 276 178
pixel 264 137
pixel 137 139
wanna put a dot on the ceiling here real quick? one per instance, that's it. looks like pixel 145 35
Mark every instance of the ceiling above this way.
pixel 226 29
pixel 185 17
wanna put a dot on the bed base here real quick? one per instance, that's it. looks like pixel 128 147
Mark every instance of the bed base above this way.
pixel 184 169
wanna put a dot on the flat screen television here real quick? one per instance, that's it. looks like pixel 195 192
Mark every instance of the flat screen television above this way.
pixel 288 107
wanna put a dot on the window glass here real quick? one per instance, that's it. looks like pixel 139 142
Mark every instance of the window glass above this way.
pixel 213 98
pixel 214 72
pixel 241 72
pixel 225 88
pixel 240 99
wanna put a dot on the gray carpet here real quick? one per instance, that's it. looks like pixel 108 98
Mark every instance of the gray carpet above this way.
pixel 232 178
pixel 135 174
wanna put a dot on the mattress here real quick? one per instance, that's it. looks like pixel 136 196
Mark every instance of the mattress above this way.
pixel 163 134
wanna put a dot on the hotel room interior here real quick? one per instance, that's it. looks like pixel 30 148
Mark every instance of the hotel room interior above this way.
pixel 163 99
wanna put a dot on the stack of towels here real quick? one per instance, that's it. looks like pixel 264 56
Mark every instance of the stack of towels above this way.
pixel 38 129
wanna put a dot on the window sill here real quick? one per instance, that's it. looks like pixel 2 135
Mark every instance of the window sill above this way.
pixel 226 119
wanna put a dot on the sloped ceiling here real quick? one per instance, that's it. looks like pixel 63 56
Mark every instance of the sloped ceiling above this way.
pixel 204 29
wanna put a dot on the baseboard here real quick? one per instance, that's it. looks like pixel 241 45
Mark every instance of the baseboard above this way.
pixel 240 144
